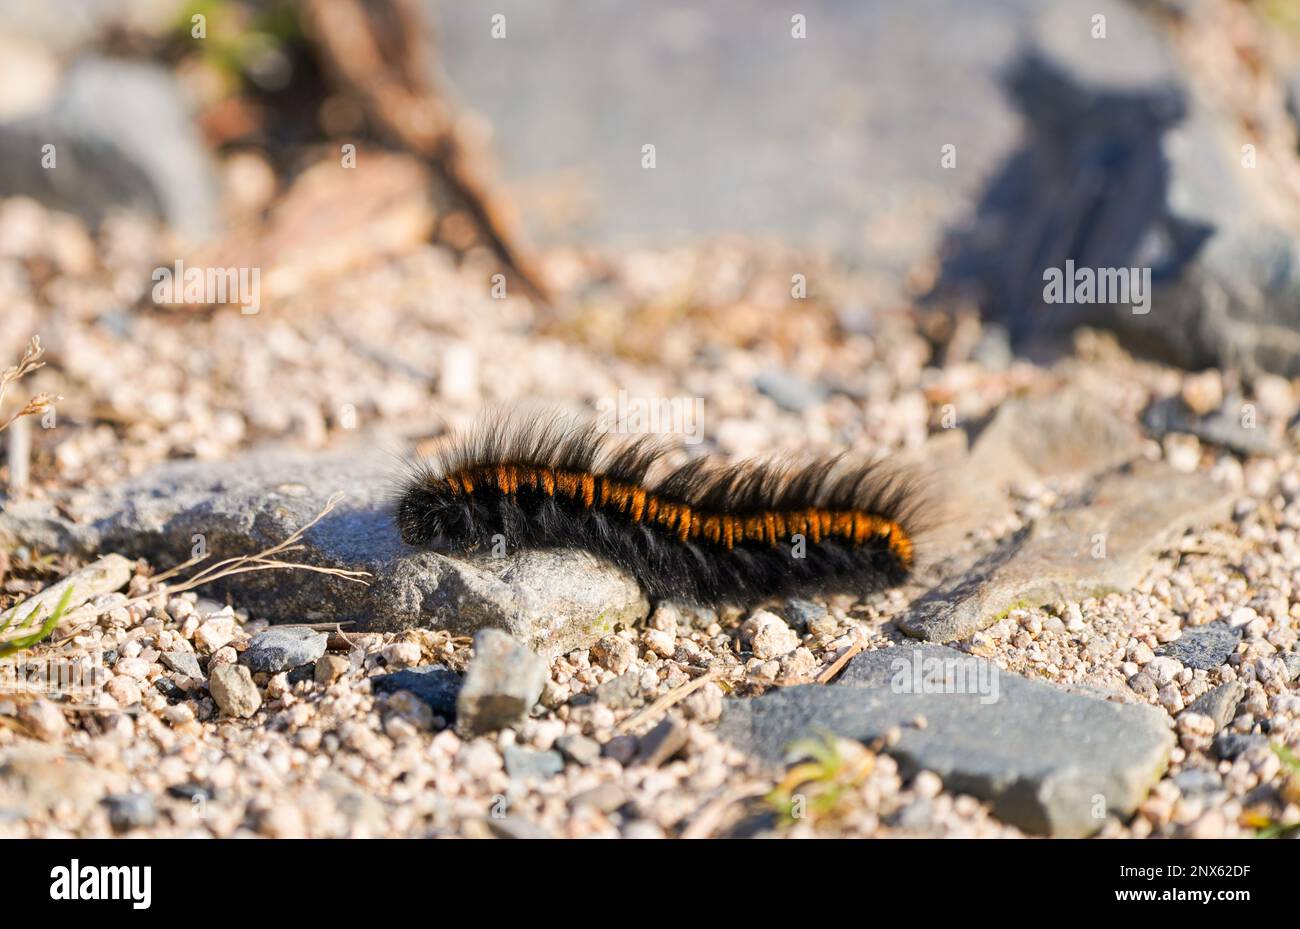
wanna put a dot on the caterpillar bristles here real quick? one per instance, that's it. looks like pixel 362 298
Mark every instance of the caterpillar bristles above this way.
pixel 703 532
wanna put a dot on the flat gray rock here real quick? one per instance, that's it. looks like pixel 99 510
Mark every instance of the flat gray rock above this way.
pixel 1060 434
pixel 1205 647
pixel 525 763
pixel 186 663
pixel 1047 761
pixel 278 650
pixel 1223 427
pixel 1100 545
pixel 1065 434
pixel 553 601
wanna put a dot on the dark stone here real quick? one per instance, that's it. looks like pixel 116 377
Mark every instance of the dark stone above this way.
pixel 170 690
pixel 130 811
pixel 1229 745
pixel 435 685
pixel 1224 428
pixel 622 748
pixel 662 742
pixel 189 791
pixel 1205 647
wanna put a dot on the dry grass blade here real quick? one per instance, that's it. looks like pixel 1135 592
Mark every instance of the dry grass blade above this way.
pixel 710 817
pixel 261 561
pixel 30 361
pixel 669 699
pixel 244 564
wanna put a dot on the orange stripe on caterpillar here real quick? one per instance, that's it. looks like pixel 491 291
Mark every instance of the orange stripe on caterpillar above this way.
pixel 767 527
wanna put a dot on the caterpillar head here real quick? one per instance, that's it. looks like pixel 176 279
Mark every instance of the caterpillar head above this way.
pixel 428 514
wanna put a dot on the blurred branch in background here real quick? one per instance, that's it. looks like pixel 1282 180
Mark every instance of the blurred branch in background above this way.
pixel 375 52
pixel 206 114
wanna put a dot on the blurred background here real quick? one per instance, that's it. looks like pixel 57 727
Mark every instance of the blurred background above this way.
pixel 830 223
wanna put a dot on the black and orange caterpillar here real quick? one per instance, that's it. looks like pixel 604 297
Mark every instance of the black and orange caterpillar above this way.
pixel 702 532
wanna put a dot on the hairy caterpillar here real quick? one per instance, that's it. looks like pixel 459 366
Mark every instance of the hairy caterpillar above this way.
pixel 702 532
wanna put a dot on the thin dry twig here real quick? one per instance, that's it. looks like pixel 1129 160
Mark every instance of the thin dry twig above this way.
pixel 673 697
pixel 243 564
pixel 710 816
pixel 30 361
pixel 838 664
pixel 262 561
